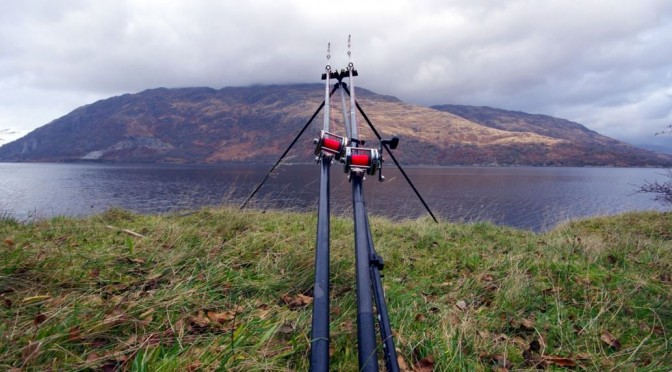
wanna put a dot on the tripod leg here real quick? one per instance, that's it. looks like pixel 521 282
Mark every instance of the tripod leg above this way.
pixel 268 175
pixel 389 351
pixel 403 173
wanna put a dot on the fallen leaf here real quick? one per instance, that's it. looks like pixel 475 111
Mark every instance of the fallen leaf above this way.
pixel 39 319
pixel 9 242
pixel 583 356
pixel 428 297
pixel 419 317
pixel 461 305
pixel 115 318
pixel 221 318
pixel 147 313
pixel 200 320
pixel 92 357
pixel 147 319
pixel 297 301
pixel 658 330
pixel 453 319
pixel 115 288
pixel 195 366
pixel 131 340
pixel 262 312
pixel 286 328
pixel 402 363
pixel 425 364
pixel 610 340
pixel 559 361
pixel 527 325
pixel 74 334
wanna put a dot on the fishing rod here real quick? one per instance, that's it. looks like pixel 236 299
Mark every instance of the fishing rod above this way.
pixel 326 151
pixel 359 161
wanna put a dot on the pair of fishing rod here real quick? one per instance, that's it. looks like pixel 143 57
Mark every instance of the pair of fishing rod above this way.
pixel 359 161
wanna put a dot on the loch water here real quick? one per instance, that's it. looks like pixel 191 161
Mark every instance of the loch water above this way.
pixel 534 198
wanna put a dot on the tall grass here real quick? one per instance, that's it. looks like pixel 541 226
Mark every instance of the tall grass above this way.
pixel 231 290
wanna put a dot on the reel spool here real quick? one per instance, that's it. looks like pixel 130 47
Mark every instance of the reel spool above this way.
pixel 359 159
pixel 331 144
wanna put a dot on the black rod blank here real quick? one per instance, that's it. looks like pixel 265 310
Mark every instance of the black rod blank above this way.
pixel 319 348
pixel 366 332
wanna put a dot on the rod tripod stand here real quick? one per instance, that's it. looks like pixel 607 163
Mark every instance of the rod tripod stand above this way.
pixel 359 161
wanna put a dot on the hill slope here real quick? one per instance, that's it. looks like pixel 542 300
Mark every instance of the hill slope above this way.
pixel 204 125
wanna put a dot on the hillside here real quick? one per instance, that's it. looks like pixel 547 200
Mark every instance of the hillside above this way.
pixel 255 124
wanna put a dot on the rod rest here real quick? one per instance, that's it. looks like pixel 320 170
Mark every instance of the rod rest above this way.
pixel 377 261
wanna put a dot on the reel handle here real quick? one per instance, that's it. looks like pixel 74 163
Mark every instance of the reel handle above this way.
pixel 392 143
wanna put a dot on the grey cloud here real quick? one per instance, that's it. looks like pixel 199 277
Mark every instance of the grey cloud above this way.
pixel 606 66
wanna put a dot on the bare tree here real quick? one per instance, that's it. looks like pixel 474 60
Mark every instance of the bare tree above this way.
pixel 661 190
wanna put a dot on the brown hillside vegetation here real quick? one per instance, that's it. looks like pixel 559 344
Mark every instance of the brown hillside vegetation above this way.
pixel 255 124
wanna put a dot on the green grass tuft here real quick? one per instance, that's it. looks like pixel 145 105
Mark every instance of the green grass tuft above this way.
pixel 225 289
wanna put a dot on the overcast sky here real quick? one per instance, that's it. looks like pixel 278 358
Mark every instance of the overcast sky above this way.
pixel 606 64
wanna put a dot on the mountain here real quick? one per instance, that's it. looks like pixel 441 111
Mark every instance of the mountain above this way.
pixel 255 124
pixel 590 145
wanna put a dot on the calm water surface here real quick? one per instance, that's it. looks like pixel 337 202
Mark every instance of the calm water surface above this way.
pixel 527 197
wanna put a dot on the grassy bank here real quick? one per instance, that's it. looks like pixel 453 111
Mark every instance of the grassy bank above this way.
pixel 220 288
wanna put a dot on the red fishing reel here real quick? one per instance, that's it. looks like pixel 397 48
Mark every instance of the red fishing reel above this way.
pixel 360 159
pixel 369 161
pixel 331 145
